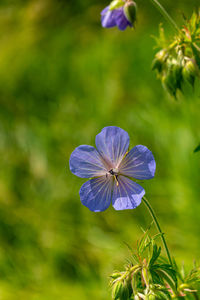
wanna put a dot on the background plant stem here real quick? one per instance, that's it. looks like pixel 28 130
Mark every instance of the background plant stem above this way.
pixel 165 14
pixel 152 213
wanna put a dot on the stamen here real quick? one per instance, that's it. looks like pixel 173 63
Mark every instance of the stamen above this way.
pixel 117 182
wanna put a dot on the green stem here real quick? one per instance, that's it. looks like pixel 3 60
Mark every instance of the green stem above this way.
pixel 152 213
pixel 196 297
pixel 165 14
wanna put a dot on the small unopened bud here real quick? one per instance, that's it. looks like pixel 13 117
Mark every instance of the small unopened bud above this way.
pixel 152 297
pixel 190 71
pixel 168 81
pixel 159 60
pixel 130 11
pixel 115 275
pixel 177 72
pixel 172 79
pixel 162 55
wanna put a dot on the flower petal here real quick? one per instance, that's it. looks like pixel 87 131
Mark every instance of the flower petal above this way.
pixel 112 143
pixel 86 162
pixel 96 193
pixel 121 20
pixel 108 18
pixel 139 163
pixel 126 194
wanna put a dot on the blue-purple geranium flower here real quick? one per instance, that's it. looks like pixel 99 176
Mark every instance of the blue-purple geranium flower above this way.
pixel 120 13
pixel 111 166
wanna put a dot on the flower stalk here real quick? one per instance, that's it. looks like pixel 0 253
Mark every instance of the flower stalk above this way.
pixel 165 14
pixel 153 215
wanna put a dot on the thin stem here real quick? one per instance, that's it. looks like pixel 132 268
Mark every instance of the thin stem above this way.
pixel 152 213
pixel 165 14
pixel 196 297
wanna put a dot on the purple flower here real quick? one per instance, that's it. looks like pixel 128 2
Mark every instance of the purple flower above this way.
pixel 120 13
pixel 111 166
pixel 115 17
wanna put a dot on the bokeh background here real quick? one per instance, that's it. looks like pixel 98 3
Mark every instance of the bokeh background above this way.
pixel 62 79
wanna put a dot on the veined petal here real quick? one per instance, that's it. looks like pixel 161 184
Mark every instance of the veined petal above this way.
pixel 112 143
pixel 86 162
pixel 126 194
pixel 96 193
pixel 108 18
pixel 139 163
pixel 121 20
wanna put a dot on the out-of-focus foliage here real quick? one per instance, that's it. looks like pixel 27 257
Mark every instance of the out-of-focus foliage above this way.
pixel 62 79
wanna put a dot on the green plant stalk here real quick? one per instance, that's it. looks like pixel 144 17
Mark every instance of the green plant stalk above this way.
pixel 196 297
pixel 165 14
pixel 153 215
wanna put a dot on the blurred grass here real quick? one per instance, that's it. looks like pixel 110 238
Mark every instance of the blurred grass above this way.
pixel 62 79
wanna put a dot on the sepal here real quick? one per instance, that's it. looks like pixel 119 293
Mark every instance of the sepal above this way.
pixel 130 11
pixel 115 4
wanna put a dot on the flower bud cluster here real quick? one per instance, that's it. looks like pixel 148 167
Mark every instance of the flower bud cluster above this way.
pixel 179 62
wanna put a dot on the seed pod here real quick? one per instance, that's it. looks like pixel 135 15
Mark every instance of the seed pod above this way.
pixel 130 11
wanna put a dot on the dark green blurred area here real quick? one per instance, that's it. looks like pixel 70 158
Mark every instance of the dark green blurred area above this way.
pixel 62 79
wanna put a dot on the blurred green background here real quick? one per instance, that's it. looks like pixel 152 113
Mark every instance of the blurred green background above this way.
pixel 62 79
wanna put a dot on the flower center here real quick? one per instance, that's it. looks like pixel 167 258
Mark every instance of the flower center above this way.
pixel 114 172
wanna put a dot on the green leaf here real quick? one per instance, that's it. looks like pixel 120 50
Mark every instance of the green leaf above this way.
pixel 167 274
pixel 196 52
pixel 193 277
pixel 134 256
pixel 125 292
pixel 163 295
pixel 168 278
pixel 168 268
pixel 156 278
pixel 155 255
pixel 193 21
pixel 141 243
pixel 117 290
